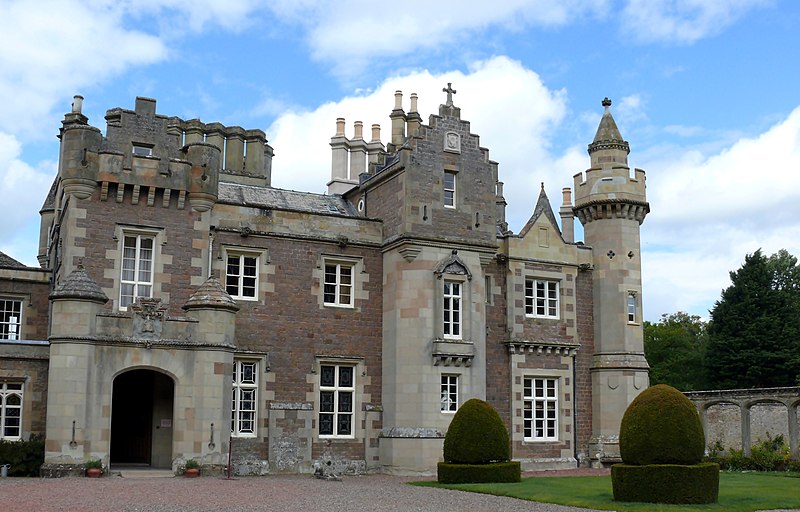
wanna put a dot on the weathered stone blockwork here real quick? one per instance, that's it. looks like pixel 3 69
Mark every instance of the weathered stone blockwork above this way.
pixel 347 327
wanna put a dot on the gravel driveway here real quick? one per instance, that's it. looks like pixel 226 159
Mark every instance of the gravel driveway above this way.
pixel 374 493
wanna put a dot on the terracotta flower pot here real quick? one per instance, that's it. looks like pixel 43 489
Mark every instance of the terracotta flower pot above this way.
pixel 94 472
pixel 191 472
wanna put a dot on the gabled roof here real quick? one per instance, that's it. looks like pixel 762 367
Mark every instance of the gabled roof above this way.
pixel 7 261
pixel 268 197
pixel 542 208
pixel 50 200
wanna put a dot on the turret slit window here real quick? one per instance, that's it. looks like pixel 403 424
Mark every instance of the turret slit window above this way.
pixel 632 309
pixel 336 400
pixel 338 289
pixel 241 276
pixel 449 189
pixel 137 269
pixel 452 310
pixel 10 410
pixel 540 413
pixel 449 393
pixel 541 298
pixel 10 318
pixel 244 405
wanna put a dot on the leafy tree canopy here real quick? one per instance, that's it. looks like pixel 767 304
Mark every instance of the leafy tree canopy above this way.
pixel 754 332
pixel 675 349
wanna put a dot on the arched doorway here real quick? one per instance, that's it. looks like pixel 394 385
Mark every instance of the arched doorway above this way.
pixel 141 419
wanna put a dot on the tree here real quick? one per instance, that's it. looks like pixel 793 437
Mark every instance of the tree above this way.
pixel 754 332
pixel 675 349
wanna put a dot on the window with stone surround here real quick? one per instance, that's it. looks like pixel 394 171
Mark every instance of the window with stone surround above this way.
pixel 142 150
pixel 632 309
pixel 449 192
pixel 136 279
pixel 10 318
pixel 540 409
pixel 336 400
pixel 451 309
pixel 241 275
pixel 449 393
pixel 541 298
pixel 10 410
pixel 244 406
pixel 338 283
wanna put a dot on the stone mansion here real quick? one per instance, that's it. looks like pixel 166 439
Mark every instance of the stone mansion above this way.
pixel 184 308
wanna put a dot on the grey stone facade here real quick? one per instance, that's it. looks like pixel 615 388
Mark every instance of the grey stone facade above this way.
pixel 347 327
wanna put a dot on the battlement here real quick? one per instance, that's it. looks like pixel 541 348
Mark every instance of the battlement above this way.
pixel 608 192
pixel 152 153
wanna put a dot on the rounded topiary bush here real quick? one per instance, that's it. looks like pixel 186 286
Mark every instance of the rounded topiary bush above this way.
pixel 476 435
pixel 661 426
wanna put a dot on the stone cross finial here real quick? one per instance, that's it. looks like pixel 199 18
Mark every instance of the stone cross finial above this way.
pixel 450 92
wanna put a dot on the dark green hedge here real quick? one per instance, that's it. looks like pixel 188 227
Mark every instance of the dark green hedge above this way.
pixel 661 426
pixel 25 457
pixel 502 472
pixel 666 483
pixel 476 435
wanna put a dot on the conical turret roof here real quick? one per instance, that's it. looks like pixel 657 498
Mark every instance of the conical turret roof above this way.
pixel 78 285
pixel 211 295
pixel 608 136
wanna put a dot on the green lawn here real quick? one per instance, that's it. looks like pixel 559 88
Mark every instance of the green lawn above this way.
pixel 738 492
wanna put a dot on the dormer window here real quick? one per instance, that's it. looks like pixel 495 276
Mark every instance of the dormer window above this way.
pixel 142 150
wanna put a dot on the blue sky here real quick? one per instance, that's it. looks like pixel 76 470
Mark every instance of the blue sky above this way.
pixel 705 91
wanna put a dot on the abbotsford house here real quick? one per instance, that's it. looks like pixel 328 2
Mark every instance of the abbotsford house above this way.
pixel 186 309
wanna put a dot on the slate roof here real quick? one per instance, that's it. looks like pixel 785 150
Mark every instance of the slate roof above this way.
pixel 7 261
pixel 280 199
pixel 543 207
pixel 78 285
pixel 50 200
pixel 211 294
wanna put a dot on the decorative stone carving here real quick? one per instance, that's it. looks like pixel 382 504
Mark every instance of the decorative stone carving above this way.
pixel 148 316
pixel 452 142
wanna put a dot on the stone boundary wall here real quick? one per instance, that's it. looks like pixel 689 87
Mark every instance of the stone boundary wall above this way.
pixel 739 418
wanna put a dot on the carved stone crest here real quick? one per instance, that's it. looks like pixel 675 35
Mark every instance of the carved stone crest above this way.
pixel 452 142
pixel 148 316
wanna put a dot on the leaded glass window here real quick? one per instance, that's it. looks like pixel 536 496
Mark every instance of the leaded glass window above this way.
pixel 10 410
pixel 244 406
pixel 137 269
pixel 336 400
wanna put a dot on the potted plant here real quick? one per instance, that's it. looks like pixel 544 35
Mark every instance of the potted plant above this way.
pixel 94 468
pixel 192 468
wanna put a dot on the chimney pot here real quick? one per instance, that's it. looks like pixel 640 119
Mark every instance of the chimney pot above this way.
pixel 376 133
pixel 77 104
pixel 340 126
pixel 413 102
pixel 359 130
pixel 398 100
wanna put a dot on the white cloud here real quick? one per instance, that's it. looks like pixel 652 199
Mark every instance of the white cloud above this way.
pixel 59 48
pixel 349 34
pixel 682 21
pixel 21 187
pixel 709 210
pixel 507 105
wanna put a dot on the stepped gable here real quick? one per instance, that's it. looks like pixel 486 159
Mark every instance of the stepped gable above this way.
pixel 268 197
pixel 78 285
pixel 211 295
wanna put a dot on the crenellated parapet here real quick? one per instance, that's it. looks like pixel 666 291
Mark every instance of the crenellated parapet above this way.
pixel 146 156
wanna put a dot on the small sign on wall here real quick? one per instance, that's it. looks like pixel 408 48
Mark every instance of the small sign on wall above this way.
pixel 166 423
